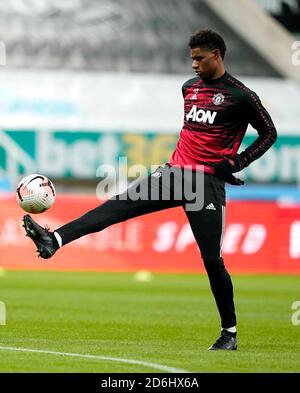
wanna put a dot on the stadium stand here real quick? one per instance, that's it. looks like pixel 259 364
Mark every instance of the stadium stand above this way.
pixel 135 36
pixel 268 37
pixel 287 12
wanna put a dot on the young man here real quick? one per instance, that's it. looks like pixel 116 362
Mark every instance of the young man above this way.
pixel 217 111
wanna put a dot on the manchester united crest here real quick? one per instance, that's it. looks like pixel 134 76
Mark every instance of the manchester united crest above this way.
pixel 218 98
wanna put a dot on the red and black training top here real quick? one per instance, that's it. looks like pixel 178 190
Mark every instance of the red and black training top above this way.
pixel 216 117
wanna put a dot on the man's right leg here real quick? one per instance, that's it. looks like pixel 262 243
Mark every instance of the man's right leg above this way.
pixel 117 209
pixel 110 212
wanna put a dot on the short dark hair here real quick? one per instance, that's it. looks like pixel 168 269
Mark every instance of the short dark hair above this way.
pixel 208 39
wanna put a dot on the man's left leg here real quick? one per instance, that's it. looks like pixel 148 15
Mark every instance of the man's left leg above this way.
pixel 207 225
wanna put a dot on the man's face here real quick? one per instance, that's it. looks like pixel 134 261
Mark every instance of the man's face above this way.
pixel 205 62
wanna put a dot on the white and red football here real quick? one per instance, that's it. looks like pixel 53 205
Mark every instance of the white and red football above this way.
pixel 35 193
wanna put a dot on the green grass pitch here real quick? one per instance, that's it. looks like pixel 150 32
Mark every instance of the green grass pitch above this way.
pixel 170 321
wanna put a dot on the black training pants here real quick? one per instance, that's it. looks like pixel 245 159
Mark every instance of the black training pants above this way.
pixel 158 192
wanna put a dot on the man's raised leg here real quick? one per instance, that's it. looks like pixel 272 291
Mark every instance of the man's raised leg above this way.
pixel 114 210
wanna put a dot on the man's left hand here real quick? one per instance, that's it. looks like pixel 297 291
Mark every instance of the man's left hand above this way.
pixel 229 166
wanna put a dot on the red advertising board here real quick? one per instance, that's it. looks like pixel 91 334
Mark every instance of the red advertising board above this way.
pixel 260 237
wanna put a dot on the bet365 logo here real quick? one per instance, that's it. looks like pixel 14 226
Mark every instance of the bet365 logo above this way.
pixel 296 315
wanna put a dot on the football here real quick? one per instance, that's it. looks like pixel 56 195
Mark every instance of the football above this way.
pixel 35 193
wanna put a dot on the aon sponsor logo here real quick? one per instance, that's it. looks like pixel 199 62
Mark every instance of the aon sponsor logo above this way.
pixel 201 116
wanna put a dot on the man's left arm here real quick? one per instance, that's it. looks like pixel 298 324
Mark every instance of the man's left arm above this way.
pixel 257 115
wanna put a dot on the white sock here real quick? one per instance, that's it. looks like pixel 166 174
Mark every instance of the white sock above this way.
pixel 231 329
pixel 58 238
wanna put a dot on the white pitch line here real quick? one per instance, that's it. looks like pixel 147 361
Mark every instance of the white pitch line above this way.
pixel 97 357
